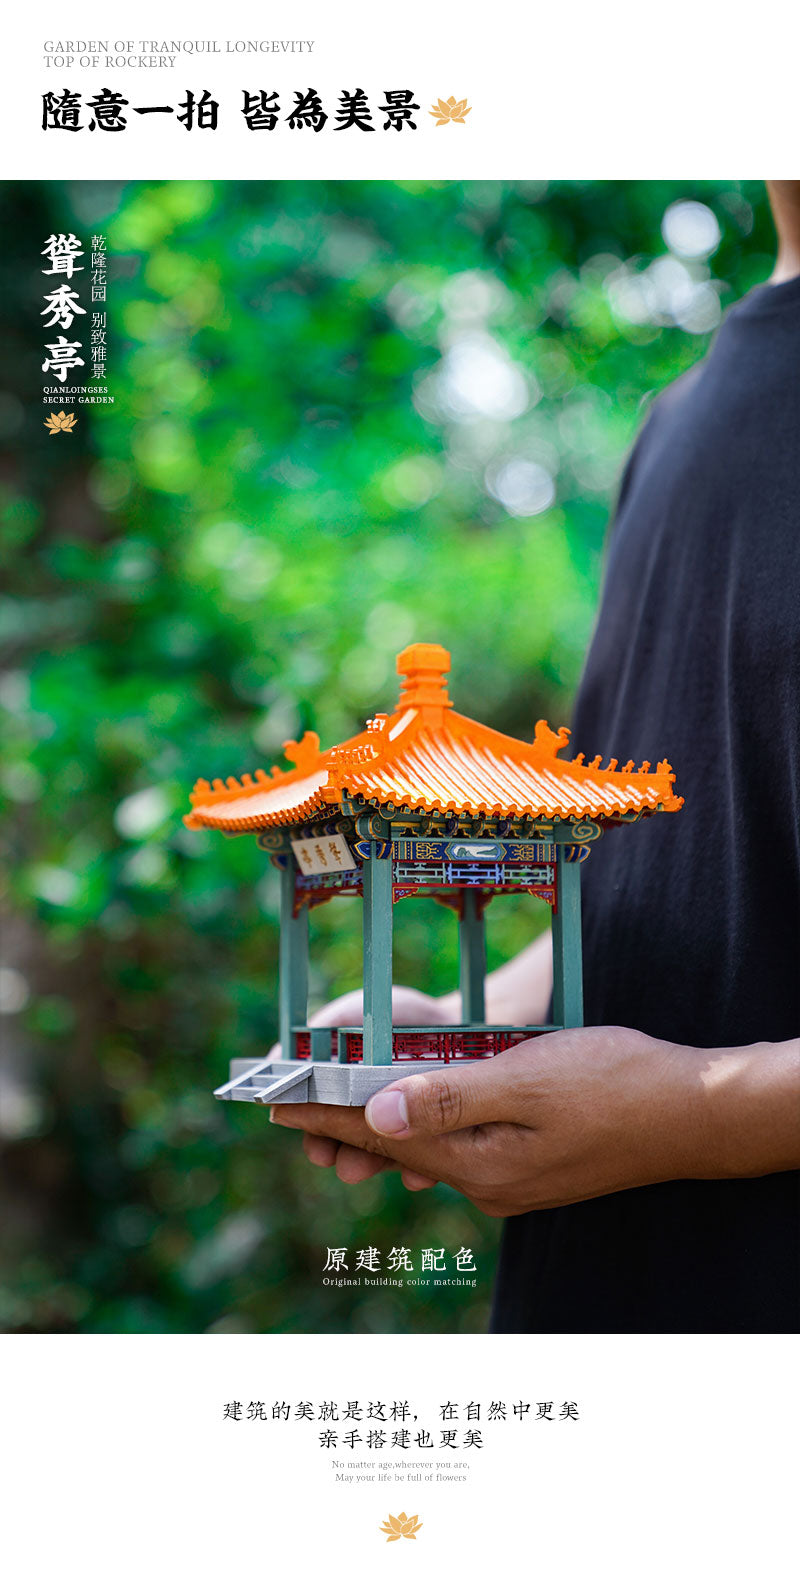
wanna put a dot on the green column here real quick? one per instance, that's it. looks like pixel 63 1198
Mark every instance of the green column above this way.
pixel 293 963
pixel 472 959
pixel 377 958
pixel 567 953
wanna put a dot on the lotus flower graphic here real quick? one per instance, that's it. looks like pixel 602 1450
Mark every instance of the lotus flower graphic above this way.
pixel 60 422
pixel 398 1526
pixel 450 110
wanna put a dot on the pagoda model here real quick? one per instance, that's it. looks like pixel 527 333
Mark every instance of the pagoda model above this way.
pixel 423 801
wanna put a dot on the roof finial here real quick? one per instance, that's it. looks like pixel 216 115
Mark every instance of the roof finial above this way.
pixel 424 665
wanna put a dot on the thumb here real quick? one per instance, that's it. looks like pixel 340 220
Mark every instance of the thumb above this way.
pixel 457 1096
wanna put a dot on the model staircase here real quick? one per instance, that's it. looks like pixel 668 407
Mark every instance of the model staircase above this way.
pixel 264 1081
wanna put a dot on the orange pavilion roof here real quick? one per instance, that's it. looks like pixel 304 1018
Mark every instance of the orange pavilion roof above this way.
pixel 425 756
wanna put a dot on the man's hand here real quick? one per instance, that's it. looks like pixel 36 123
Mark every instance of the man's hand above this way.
pixel 560 1118
pixel 569 1116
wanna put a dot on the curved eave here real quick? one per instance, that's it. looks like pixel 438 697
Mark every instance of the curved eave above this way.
pixel 551 812
pixel 254 809
pixel 227 822
pixel 457 774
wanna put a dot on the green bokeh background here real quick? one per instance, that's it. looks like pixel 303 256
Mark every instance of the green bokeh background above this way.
pixel 347 415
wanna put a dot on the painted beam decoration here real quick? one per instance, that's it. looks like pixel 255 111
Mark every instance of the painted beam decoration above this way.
pixel 490 865
pixel 482 852
pixel 422 801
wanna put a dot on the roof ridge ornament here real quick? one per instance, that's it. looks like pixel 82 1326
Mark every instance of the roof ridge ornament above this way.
pixel 425 666
pixel 305 754
pixel 548 742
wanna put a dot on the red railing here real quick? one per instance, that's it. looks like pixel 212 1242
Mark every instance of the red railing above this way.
pixel 444 1045
pixel 420 1044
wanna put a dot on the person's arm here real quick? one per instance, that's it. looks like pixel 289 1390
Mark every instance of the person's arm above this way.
pixel 517 992
pixel 573 1115
pixel 520 990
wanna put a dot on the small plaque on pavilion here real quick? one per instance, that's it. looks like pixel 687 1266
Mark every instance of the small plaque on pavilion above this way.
pixel 323 854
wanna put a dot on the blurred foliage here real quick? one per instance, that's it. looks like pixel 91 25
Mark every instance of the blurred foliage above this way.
pixel 346 416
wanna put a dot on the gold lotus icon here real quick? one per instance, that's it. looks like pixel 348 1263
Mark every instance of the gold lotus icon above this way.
pixel 60 422
pixel 398 1526
pixel 450 110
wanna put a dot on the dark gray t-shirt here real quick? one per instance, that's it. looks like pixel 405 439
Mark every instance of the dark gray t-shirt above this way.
pixel 692 921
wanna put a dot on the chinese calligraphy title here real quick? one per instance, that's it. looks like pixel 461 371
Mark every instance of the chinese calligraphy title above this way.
pixel 62 304
pixel 399 1260
pixel 261 109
